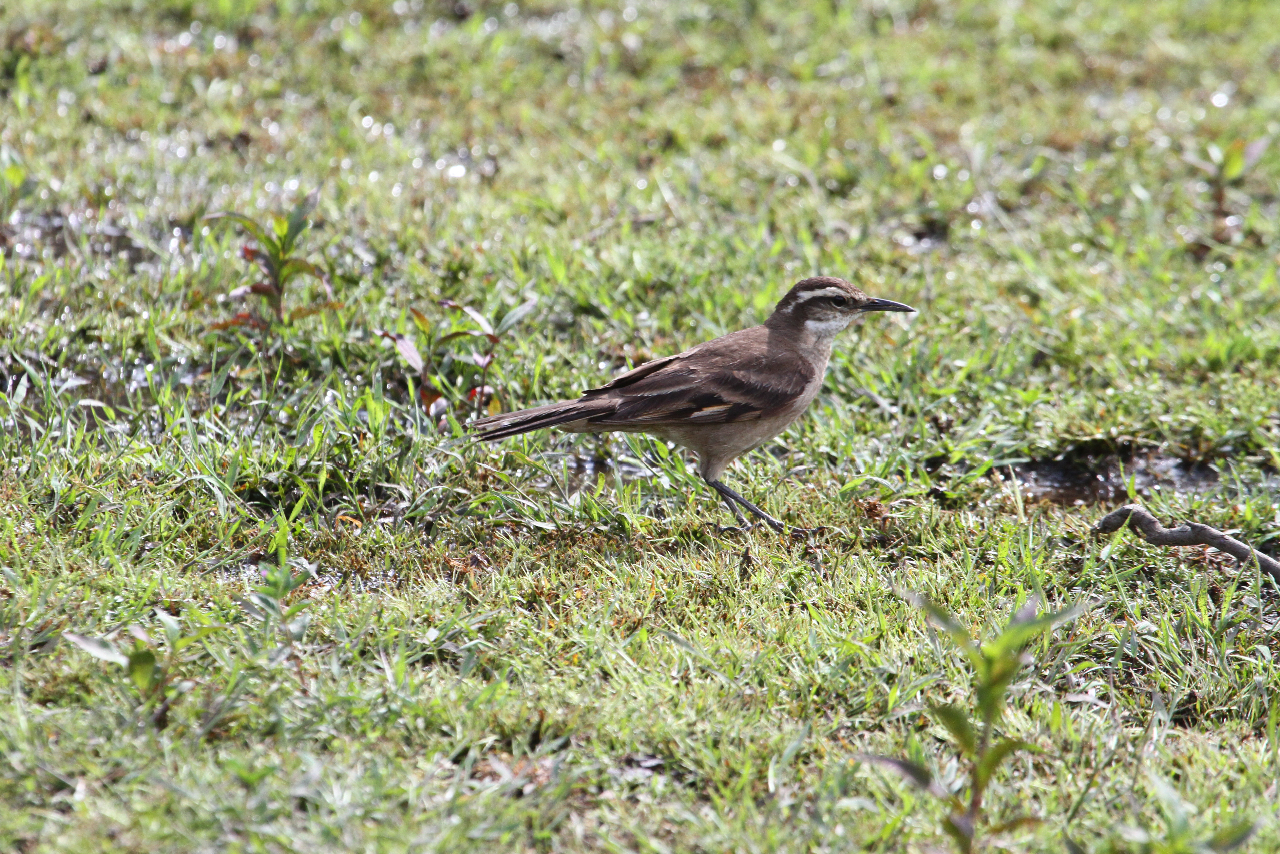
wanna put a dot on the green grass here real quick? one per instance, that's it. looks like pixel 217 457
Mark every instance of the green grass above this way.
pixel 489 660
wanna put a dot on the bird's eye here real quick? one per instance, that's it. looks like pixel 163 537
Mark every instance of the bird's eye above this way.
pixel 839 302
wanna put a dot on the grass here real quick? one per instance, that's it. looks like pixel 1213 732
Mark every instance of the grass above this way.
pixel 306 615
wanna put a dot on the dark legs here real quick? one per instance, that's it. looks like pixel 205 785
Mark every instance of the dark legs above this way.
pixel 733 499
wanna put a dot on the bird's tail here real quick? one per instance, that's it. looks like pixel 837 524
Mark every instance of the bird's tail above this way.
pixel 553 414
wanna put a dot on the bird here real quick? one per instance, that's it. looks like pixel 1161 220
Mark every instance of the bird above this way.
pixel 721 398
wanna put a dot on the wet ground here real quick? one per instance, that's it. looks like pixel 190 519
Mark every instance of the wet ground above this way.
pixel 1103 479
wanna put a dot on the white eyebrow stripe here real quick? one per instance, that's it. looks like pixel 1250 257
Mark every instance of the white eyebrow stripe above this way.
pixel 825 292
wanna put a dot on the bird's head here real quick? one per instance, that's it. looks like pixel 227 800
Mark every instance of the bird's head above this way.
pixel 824 306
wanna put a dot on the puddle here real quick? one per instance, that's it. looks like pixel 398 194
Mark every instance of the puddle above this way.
pixel 1104 478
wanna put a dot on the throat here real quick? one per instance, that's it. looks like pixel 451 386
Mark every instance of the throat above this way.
pixel 824 331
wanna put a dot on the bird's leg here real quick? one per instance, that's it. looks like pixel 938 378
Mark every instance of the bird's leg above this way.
pixel 733 506
pixel 733 498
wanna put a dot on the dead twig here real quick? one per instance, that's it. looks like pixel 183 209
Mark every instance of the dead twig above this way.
pixel 1187 534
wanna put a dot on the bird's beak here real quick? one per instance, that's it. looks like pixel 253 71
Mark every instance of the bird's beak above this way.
pixel 885 305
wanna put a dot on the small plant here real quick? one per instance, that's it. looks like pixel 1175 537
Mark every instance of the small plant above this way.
pixel 1227 166
pixel 274 254
pixel 480 393
pixel 492 333
pixel 995 663
pixel 15 184
pixel 150 670
pixel 268 606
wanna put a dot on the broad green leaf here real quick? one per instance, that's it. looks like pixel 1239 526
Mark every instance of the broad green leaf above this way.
pixel 142 669
pixel 421 321
pixel 957 723
pixel 98 648
pixel 295 609
pixel 172 630
pixel 201 633
pixel 994 679
pixel 14 175
pixel 960 829
pixel 794 747
pixel 1233 161
pixel 517 314
pixel 256 231
pixel 1232 836
pixel 994 756
pixel 298 220
pixel 1020 632
pixel 297 266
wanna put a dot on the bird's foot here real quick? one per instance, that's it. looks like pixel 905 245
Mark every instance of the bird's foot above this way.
pixel 801 533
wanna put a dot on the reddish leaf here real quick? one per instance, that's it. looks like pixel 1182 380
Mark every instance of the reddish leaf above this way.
pixel 462 333
pixel 244 318
pixel 1253 151
pixel 486 390
pixel 265 288
pixel 421 321
pixel 410 352
pixel 308 310
pixel 914 773
pixel 407 349
pixel 1017 823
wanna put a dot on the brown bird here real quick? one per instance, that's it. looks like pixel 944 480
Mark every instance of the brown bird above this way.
pixel 722 398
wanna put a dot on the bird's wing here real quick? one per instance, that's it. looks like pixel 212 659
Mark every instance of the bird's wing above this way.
pixel 734 378
pixel 637 373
